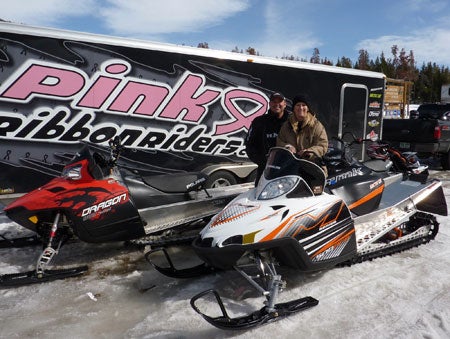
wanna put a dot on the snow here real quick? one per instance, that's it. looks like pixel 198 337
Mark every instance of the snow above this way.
pixel 406 295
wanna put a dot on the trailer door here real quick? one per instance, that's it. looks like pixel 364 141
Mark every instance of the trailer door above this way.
pixel 353 114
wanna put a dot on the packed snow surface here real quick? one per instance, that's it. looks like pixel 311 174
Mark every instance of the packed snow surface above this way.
pixel 406 295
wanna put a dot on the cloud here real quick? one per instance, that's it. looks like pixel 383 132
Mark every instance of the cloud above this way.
pixel 286 33
pixel 155 17
pixel 45 13
pixel 427 28
pixel 429 45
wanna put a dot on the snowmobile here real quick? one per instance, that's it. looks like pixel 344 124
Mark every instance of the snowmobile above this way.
pixel 394 161
pixel 96 201
pixel 297 218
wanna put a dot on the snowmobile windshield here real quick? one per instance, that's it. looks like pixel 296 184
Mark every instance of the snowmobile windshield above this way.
pixel 282 162
pixel 83 153
pixel 94 165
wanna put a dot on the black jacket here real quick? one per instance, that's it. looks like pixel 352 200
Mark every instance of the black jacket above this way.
pixel 262 136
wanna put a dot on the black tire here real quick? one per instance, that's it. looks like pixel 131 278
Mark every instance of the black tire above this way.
pixel 252 176
pixel 445 161
pixel 220 179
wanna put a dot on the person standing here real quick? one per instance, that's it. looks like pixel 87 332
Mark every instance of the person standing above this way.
pixel 303 134
pixel 263 132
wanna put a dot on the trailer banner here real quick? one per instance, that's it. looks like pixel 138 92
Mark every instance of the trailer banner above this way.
pixel 178 108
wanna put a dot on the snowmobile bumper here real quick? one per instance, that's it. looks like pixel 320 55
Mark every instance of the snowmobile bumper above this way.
pixel 433 202
pixel 288 251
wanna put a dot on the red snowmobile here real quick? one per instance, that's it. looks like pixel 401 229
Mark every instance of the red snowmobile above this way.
pixel 96 201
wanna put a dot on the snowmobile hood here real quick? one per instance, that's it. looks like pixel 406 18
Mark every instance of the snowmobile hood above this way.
pixel 247 220
pixel 289 189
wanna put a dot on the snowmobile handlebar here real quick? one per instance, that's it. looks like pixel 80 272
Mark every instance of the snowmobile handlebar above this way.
pixel 116 148
pixel 355 140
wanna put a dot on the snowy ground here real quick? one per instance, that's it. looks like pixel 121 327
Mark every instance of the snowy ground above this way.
pixel 406 295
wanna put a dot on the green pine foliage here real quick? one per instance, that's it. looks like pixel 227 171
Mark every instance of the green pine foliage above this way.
pixel 427 79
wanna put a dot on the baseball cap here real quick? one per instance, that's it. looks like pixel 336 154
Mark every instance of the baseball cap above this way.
pixel 277 95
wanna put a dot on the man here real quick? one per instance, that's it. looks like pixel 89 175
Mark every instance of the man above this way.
pixel 263 132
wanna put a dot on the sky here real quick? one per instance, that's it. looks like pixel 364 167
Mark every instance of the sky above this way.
pixel 275 28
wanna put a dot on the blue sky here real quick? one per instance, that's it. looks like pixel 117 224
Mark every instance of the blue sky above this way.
pixel 273 27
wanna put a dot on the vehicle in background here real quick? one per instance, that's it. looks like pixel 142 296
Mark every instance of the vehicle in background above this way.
pixel 428 134
pixel 445 94
pixel 412 112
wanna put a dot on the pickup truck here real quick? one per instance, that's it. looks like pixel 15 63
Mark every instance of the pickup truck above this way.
pixel 428 134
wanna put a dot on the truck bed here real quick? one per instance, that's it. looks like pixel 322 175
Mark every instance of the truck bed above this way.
pixel 409 130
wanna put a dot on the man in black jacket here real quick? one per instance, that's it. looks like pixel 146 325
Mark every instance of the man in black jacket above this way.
pixel 263 132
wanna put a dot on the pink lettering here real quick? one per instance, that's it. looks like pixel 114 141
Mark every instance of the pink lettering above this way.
pixel 240 119
pixel 117 68
pixel 110 90
pixel 44 81
pixel 188 99
pixel 146 97
pixel 99 92
pixel 102 88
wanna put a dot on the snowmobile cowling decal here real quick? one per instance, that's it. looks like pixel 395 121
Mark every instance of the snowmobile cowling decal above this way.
pixel 367 197
pixel 308 221
pixel 233 212
pixel 104 205
pixel 333 248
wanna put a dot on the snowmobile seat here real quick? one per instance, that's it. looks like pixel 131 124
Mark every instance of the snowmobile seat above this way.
pixel 378 165
pixel 176 183
pixel 361 196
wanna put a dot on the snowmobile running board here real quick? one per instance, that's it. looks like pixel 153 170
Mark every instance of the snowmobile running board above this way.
pixel 256 318
pixel 31 277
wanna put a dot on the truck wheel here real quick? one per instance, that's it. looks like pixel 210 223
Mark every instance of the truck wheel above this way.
pixel 445 161
pixel 220 179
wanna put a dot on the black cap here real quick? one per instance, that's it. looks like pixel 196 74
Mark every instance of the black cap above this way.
pixel 300 98
pixel 277 95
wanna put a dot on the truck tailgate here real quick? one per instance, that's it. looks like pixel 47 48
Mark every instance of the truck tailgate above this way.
pixel 408 130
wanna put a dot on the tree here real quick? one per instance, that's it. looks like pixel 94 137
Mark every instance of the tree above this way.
pixel 203 45
pixel 363 60
pixel 406 68
pixel 344 62
pixel 315 59
pixel 427 80
pixel 251 51
pixel 430 79
pixel 326 62
pixel 387 67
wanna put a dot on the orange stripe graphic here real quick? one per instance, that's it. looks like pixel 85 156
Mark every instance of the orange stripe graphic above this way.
pixel 367 197
pixel 334 242
pixel 284 227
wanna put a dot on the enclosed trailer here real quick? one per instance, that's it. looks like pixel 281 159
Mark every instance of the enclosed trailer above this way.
pixel 445 94
pixel 179 108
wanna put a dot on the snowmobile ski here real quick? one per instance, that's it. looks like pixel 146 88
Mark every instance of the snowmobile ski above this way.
pixel 31 277
pixel 256 318
pixel 19 242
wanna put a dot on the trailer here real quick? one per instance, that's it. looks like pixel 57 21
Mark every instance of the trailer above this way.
pixel 178 108
pixel 445 94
